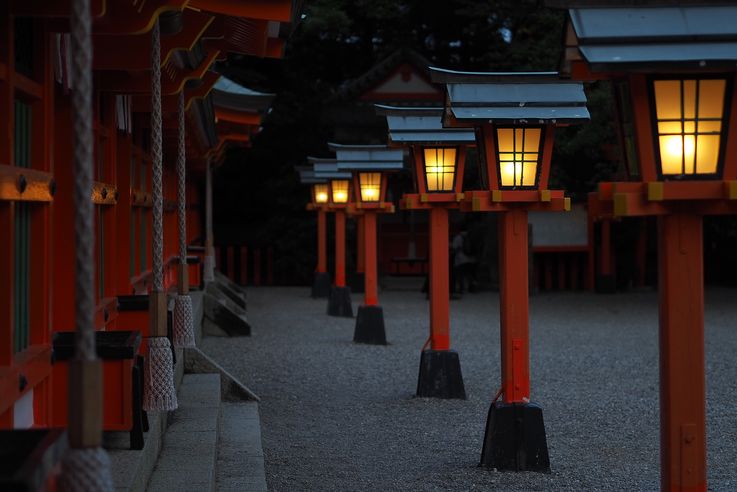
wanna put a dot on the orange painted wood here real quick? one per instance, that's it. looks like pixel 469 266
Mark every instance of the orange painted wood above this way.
pixel 439 280
pixel 513 308
pixel 125 52
pixel 322 250
pixel 34 364
pixel 129 17
pixel 682 376
pixel 241 117
pixel 371 283
pixel 340 248
pixel 117 400
pixel 360 242
pixel 38 183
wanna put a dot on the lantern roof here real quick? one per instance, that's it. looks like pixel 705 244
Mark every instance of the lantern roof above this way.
pixel 327 168
pixel 367 157
pixel 512 97
pixel 307 175
pixel 646 38
pixel 422 126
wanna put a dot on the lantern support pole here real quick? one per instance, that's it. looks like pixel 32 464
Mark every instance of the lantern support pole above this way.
pixel 682 379
pixel 370 316
pixel 339 302
pixel 440 368
pixel 515 432
pixel 321 278
pixel 358 279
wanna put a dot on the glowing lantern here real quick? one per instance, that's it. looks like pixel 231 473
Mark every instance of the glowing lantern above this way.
pixel 340 190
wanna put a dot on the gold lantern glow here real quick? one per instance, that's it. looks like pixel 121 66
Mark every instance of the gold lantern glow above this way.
pixel 440 168
pixel 320 193
pixel 689 117
pixel 369 185
pixel 339 189
pixel 518 156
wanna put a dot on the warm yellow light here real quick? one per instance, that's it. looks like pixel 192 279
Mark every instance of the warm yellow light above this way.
pixel 321 193
pixel 340 190
pixel 370 185
pixel 689 117
pixel 518 151
pixel 440 168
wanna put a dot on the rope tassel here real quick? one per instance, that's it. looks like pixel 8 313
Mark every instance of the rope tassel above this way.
pixel 183 317
pixel 159 394
pixel 159 391
pixel 183 322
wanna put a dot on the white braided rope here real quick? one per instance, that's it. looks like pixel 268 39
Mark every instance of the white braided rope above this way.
pixel 84 469
pixel 181 186
pixel 157 265
pixel 159 394
pixel 183 322
pixel 81 471
pixel 83 150
pixel 183 315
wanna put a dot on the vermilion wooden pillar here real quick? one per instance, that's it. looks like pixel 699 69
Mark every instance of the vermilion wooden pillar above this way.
pixel 514 306
pixel 605 281
pixel 321 278
pixel 339 300
pixel 439 280
pixel 358 279
pixel 682 380
pixel 339 248
pixel 371 287
pixel 322 252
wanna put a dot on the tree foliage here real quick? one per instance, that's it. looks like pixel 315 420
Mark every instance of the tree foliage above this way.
pixel 258 197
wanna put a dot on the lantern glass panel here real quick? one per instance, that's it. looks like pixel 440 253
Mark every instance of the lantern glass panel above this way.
pixel 518 155
pixel 370 186
pixel 689 116
pixel 440 168
pixel 321 193
pixel 339 189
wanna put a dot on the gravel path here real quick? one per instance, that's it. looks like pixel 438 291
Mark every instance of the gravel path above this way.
pixel 340 416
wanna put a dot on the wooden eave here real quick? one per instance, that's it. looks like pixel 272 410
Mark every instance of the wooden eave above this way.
pixel 139 82
pixel 275 10
pixel 132 52
pixel 128 17
pixel 56 8
pixel 245 117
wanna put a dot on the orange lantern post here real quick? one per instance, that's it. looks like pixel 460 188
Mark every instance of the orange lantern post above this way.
pixel 320 194
pixel 370 165
pixel 675 92
pixel 514 115
pixel 339 198
pixel 439 161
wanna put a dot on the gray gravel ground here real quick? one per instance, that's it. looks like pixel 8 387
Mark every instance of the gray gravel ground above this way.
pixel 341 416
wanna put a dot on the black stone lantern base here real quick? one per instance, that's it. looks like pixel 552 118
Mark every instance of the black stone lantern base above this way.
pixel 320 285
pixel 515 438
pixel 370 326
pixel 440 375
pixel 339 302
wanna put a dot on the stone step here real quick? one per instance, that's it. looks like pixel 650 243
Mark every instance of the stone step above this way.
pixel 188 455
pixel 240 459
